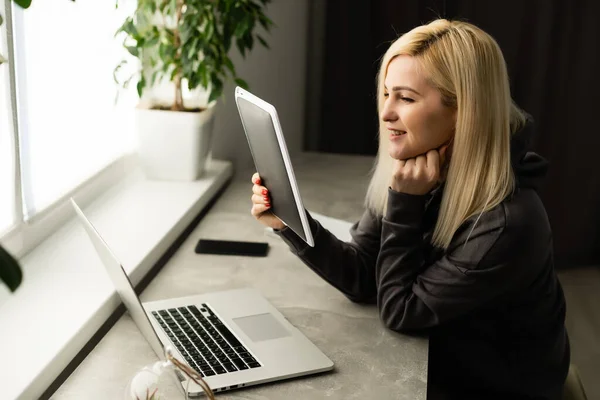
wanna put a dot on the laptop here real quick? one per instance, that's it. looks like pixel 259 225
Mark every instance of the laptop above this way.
pixel 232 338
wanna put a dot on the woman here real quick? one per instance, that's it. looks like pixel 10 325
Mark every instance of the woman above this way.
pixel 454 241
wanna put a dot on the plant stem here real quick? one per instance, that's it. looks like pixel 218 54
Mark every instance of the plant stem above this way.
pixel 178 105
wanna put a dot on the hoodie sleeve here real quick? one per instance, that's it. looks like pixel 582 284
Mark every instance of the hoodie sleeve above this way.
pixel 349 267
pixel 478 266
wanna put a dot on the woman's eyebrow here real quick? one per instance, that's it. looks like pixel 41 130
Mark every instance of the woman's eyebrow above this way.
pixel 396 88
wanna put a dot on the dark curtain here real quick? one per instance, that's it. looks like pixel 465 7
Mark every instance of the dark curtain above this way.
pixel 552 52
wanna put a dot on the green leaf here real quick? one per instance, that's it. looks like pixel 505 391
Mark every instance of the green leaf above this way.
pixel 241 47
pixel 265 22
pixel 241 28
pixel 216 57
pixel 126 83
pixel 1 19
pixel 203 75
pixel 171 53
pixel 10 271
pixel 117 68
pixel 193 48
pixel 249 41
pixel 134 51
pixel 165 67
pixel 251 24
pixel 162 51
pixel 216 83
pixel 140 86
pixel 173 74
pixel 225 7
pixel 242 83
pixel 229 65
pixel 153 77
pixel 144 6
pixel 192 81
pixel 163 6
pixel 262 41
pixel 23 3
pixel 169 35
pixel 210 31
pixel 227 37
pixel 130 29
pixel 215 94
pixel 152 42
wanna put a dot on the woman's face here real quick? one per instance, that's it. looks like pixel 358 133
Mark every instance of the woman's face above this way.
pixel 413 113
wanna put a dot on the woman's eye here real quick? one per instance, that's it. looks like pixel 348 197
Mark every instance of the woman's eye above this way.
pixel 386 95
pixel 407 99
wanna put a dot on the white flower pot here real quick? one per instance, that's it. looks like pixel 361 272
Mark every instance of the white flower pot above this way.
pixel 174 145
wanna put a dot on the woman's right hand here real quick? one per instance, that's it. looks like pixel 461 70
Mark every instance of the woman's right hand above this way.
pixel 261 205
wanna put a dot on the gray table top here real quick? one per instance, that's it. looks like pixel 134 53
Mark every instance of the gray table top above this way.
pixel 371 362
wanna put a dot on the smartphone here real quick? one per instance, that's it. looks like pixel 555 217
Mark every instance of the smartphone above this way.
pixel 232 248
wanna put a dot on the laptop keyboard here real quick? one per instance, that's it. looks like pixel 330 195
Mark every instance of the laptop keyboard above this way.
pixel 204 341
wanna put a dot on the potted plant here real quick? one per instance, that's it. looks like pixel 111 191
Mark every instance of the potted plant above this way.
pixel 185 42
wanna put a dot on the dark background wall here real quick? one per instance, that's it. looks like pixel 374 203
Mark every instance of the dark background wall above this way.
pixel 552 51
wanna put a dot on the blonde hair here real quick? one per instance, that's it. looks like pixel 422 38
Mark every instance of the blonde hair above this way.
pixel 467 66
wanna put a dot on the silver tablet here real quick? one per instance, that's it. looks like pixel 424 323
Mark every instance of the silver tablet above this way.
pixel 272 161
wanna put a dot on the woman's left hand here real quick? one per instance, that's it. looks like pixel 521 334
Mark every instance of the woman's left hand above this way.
pixel 420 174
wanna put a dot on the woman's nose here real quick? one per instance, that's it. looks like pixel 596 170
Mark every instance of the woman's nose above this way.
pixel 388 114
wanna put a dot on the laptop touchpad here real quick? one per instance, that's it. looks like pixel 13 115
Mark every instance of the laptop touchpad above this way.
pixel 261 327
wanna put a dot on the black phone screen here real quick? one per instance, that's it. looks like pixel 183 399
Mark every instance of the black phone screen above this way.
pixel 232 248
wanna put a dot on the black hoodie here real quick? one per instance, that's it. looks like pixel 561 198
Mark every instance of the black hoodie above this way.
pixel 492 305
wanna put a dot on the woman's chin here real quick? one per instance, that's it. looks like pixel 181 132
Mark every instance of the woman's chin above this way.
pixel 398 154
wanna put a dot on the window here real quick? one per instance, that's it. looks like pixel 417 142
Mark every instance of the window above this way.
pixel 69 125
pixel 6 183
pixel 7 192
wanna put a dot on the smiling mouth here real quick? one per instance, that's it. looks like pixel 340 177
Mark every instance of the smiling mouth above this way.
pixel 397 133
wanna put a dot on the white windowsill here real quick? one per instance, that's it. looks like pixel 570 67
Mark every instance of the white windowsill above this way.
pixel 66 294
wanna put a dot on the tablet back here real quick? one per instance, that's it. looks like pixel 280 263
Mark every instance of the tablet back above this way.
pixel 272 162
